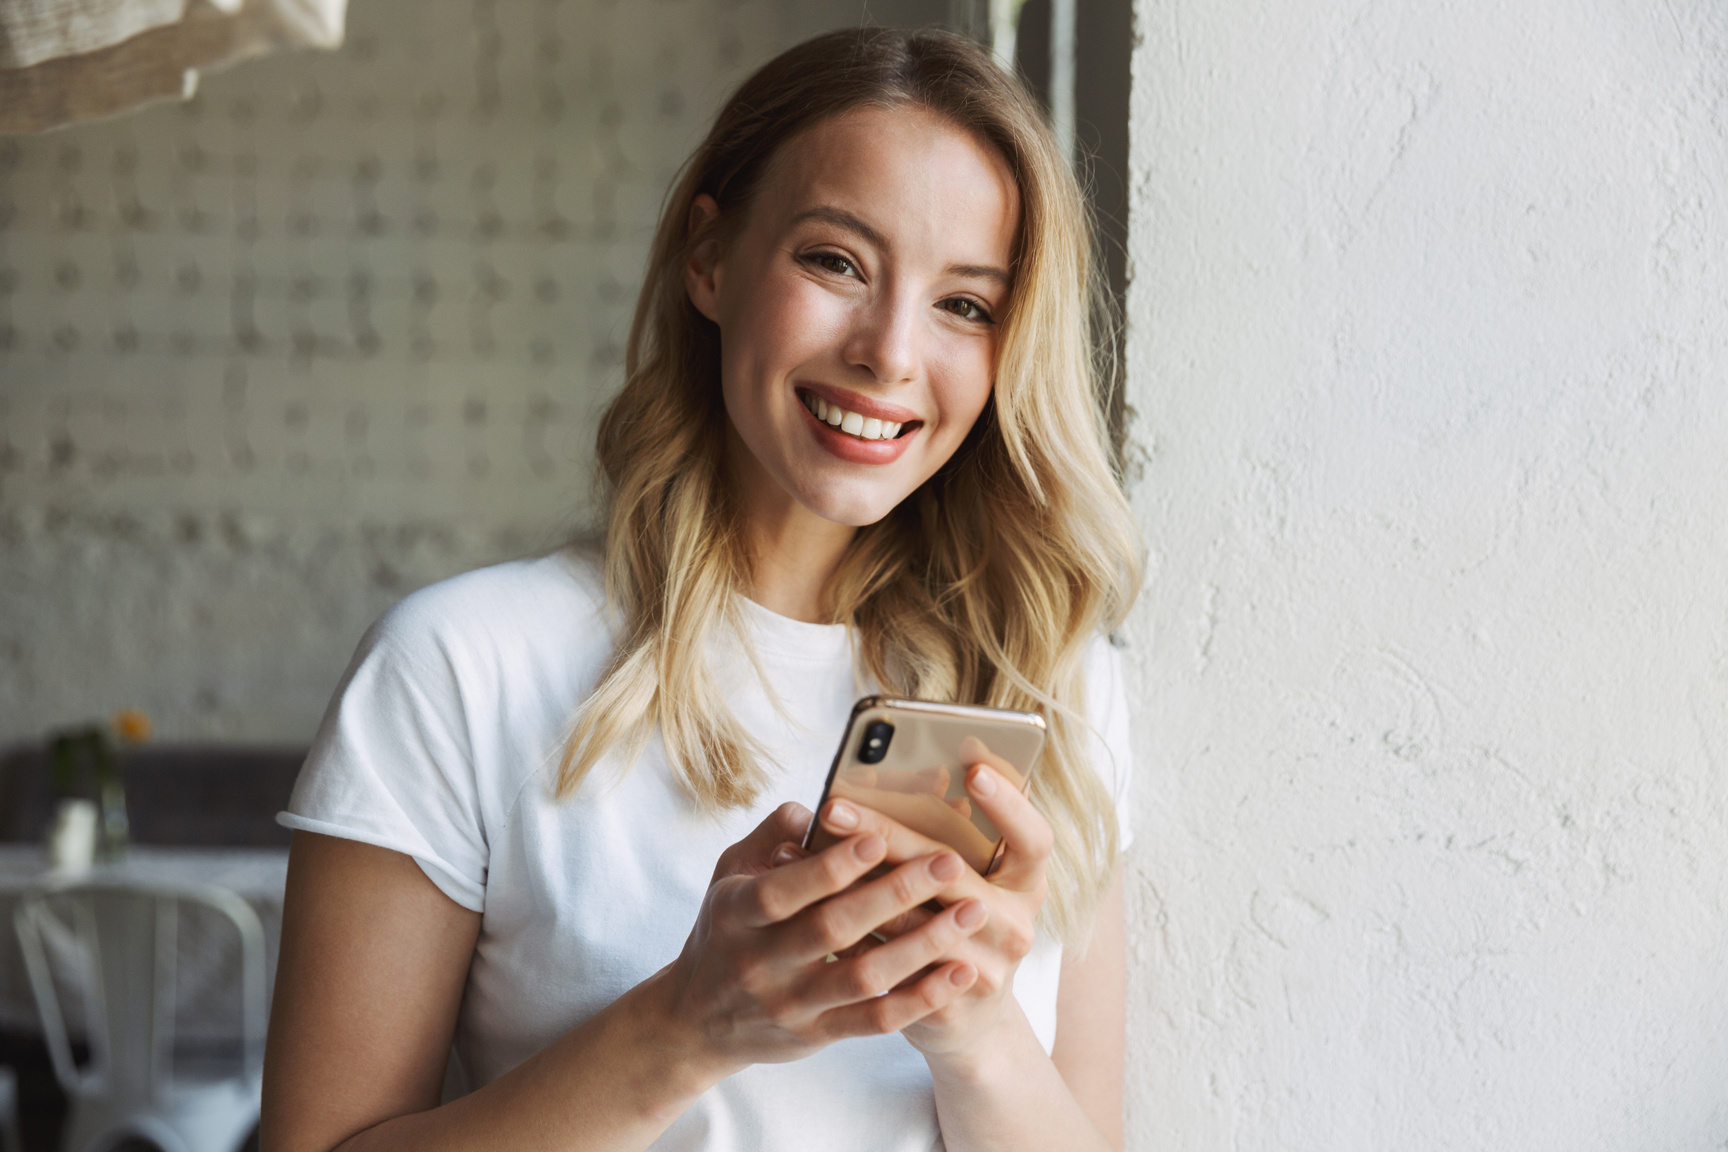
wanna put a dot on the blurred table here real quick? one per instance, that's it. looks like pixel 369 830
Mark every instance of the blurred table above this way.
pixel 208 981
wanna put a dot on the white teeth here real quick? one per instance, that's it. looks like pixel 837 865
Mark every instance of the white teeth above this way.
pixel 855 423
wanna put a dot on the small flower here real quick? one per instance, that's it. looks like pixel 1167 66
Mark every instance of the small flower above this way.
pixel 132 725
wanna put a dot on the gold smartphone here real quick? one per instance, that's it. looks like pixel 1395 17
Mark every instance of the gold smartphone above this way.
pixel 907 759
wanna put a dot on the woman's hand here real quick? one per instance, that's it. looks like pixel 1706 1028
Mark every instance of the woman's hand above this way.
pixel 754 982
pixel 1011 895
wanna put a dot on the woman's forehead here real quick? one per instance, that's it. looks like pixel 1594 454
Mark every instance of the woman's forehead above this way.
pixel 908 172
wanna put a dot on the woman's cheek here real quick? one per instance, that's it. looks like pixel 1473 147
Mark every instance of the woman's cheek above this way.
pixel 962 388
pixel 801 319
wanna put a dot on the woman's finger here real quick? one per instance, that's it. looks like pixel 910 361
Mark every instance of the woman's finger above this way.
pixel 785 891
pixel 881 1015
pixel 908 921
pixel 845 818
pixel 752 855
pixel 1026 835
pixel 836 924
pixel 887 966
pixel 929 816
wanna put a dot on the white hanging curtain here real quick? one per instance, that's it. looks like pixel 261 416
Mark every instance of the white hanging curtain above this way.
pixel 68 60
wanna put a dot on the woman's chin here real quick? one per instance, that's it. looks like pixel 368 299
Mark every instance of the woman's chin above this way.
pixel 851 508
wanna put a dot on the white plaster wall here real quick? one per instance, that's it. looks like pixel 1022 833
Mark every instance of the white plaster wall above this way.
pixel 1428 353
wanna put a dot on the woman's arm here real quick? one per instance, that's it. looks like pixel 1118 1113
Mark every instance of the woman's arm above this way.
pixel 1006 1094
pixel 1091 1018
pixel 374 960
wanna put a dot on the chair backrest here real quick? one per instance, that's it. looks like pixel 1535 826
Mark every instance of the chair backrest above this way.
pixel 126 939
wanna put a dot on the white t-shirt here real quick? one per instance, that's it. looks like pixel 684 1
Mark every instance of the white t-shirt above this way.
pixel 442 743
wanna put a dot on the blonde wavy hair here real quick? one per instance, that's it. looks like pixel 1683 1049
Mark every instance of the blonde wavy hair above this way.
pixel 986 584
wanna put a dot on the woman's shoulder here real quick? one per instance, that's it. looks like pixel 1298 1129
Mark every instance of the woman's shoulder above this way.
pixel 1101 676
pixel 555 601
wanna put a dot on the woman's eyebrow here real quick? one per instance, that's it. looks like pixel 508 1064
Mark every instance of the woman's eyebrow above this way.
pixel 841 218
pixel 978 272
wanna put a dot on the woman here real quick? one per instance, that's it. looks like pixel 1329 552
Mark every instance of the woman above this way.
pixel 857 448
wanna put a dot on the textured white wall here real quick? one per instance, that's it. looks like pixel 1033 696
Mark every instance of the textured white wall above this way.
pixel 1429 358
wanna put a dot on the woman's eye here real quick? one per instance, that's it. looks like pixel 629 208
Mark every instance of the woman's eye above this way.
pixel 967 309
pixel 835 263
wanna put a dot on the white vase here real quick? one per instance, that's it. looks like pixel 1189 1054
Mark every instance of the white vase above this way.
pixel 72 839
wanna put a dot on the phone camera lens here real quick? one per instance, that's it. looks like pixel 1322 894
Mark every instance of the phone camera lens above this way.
pixel 874 746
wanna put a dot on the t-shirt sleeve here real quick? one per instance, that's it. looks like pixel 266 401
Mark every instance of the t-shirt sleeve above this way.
pixel 1108 740
pixel 392 764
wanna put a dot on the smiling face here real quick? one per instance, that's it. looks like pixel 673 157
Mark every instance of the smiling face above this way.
pixel 858 304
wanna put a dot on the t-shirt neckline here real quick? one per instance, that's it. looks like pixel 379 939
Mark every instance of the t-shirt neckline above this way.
pixel 783 636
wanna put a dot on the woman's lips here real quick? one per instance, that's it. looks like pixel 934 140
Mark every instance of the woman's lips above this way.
pixel 861 404
pixel 853 450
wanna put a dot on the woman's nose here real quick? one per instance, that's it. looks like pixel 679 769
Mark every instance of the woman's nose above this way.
pixel 884 340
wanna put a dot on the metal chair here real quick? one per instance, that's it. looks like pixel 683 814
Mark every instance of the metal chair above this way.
pixel 125 943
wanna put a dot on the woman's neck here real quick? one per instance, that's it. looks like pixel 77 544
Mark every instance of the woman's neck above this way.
pixel 790 565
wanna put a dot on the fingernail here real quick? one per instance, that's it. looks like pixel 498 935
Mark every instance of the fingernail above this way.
pixel 960 975
pixel 784 854
pixel 842 815
pixel 870 848
pixel 946 866
pixel 984 781
pixel 970 914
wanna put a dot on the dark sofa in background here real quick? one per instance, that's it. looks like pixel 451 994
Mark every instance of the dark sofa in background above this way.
pixel 192 794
